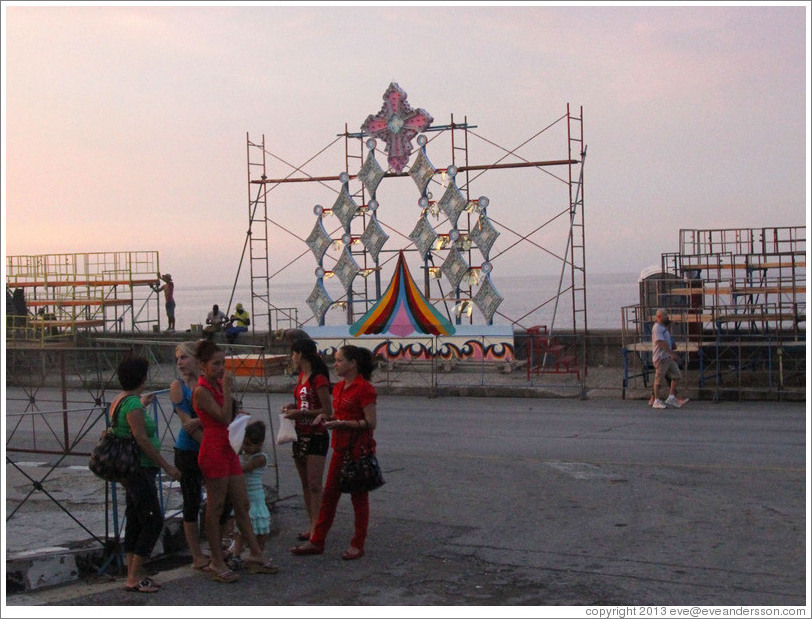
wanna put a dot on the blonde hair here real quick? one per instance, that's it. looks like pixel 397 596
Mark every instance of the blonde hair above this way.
pixel 187 348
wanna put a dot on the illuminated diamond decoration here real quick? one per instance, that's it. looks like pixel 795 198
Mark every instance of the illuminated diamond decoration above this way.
pixel 319 301
pixel 423 236
pixel 487 299
pixel 452 203
pixel 484 235
pixel 346 268
pixel 454 268
pixel 421 172
pixel 319 240
pixel 345 208
pixel 371 173
pixel 374 238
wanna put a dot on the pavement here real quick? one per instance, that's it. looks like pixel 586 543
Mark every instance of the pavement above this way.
pixel 531 503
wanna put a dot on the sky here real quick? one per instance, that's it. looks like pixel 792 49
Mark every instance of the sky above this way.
pixel 125 127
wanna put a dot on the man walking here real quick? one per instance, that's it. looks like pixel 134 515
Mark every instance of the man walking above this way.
pixel 665 363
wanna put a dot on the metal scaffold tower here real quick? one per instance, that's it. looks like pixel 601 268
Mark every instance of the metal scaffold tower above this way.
pixel 455 242
pixel 737 302
pixel 52 297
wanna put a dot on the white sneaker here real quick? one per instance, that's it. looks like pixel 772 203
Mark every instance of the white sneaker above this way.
pixel 658 404
pixel 672 401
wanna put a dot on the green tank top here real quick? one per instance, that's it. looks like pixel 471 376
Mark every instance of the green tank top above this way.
pixel 122 428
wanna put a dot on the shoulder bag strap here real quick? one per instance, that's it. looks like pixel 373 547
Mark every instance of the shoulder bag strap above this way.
pixel 118 403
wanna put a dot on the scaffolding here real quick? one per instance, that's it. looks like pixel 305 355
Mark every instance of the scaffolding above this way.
pixel 564 223
pixel 737 303
pixel 58 297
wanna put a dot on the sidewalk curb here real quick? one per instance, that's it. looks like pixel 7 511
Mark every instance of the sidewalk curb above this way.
pixel 60 565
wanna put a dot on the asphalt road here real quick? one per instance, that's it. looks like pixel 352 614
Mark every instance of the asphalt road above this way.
pixel 543 502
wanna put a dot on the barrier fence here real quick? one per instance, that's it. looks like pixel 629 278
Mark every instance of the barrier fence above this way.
pixel 57 403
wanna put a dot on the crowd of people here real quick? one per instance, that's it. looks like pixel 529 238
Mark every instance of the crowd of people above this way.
pixel 342 417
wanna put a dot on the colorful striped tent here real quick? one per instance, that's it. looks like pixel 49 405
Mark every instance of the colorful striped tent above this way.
pixel 402 310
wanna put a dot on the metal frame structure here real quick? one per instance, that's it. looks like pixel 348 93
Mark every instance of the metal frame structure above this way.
pixel 263 213
pixel 64 430
pixel 737 301
pixel 84 293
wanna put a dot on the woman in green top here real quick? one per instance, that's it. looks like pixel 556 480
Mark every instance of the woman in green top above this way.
pixel 143 512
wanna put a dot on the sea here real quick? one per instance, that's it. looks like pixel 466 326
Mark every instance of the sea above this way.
pixel 529 300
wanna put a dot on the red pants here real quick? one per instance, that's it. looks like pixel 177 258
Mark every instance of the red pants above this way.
pixel 329 503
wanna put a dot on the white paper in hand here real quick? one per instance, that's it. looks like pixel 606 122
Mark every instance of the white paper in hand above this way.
pixel 287 430
pixel 236 431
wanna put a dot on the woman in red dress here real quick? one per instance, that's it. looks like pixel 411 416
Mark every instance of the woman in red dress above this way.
pixel 354 418
pixel 220 465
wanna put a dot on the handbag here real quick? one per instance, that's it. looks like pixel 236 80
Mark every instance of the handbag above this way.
pixel 287 430
pixel 361 475
pixel 115 458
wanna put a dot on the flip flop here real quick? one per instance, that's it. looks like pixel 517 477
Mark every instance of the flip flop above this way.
pixel 262 568
pixel 148 582
pixel 235 563
pixel 204 567
pixel 226 576
pixel 312 549
pixel 303 537
pixel 145 586
pixel 348 555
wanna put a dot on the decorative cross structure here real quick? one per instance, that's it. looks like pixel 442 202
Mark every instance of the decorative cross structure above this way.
pixel 402 308
pixel 397 124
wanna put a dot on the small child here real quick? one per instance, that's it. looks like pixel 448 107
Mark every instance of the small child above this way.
pixel 254 461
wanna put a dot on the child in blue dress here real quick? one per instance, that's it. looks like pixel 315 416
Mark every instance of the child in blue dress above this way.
pixel 254 461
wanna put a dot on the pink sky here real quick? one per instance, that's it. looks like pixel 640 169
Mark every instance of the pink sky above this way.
pixel 124 127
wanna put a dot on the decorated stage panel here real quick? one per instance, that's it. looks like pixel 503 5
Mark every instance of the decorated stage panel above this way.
pixel 468 343
pixel 403 326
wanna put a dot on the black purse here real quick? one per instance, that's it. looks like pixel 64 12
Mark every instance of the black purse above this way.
pixel 361 475
pixel 115 458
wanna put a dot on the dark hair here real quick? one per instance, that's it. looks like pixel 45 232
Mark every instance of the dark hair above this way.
pixel 310 353
pixel 132 372
pixel 206 349
pixel 255 432
pixel 362 358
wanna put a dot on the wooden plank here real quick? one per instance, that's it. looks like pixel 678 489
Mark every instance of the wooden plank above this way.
pixel 800 289
pixel 57 283
pixel 67 323
pixel 647 347
pixel 692 318
pixel 709 289
pixel 77 302
pixel 25 284
pixel 761 317
pixel 757 266
pixel 738 266
pixel 688 291
pixel 712 265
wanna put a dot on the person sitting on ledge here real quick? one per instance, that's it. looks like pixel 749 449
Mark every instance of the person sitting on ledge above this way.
pixel 239 322
pixel 214 321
